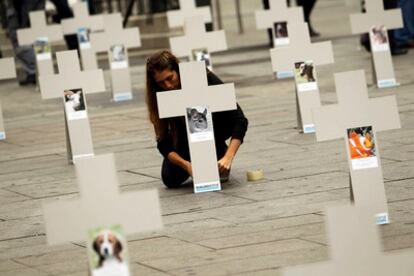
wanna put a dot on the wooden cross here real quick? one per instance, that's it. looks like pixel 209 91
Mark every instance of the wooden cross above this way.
pixel 356 110
pixel 115 35
pixel 355 249
pixel 78 133
pixel 284 59
pixel 195 92
pixel 376 17
pixel 196 38
pixel 7 71
pixel 93 23
pixel 176 18
pixel 40 30
pixel 100 205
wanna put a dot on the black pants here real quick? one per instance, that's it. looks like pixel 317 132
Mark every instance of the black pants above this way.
pixel 174 176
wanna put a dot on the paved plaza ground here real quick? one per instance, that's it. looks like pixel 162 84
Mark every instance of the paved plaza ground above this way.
pixel 248 228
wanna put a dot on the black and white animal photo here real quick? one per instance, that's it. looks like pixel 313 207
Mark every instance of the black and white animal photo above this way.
pixel 305 72
pixel 118 53
pixel 202 55
pixel 197 121
pixel 108 248
pixel 74 100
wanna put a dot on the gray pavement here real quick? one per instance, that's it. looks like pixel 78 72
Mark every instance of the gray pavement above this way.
pixel 246 229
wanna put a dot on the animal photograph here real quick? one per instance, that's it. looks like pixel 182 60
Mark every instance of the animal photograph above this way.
pixel 379 35
pixel 304 72
pixel 200 124
pixel 202 55
pixel 83 35
pixel 108 252
pixel 280 30
pixel 118 53
pixel 361 142
pixel 42 46
pixel 74 100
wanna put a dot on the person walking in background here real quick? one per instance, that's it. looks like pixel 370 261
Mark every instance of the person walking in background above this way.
pixel 17 18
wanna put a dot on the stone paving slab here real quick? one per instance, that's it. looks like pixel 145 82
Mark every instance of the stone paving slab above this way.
pixel 249 228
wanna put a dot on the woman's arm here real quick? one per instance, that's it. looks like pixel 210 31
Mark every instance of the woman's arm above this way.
pixel 225 162
pixel 177 160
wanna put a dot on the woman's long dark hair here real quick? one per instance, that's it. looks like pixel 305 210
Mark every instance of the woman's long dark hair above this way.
pixel 158 63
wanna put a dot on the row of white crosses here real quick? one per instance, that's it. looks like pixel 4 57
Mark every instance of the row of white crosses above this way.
pixel 354 110
pixel 102 34
pixel 7 71
pixel 196 44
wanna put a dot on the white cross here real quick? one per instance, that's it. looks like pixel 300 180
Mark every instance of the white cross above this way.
pixel 188 8
pixel 115 34
pixel 284 59
pixel 39 28
pixel 196 92
pixel 82 19
pixel 355 249
pixel 71 77
pixel 100 204
pixel 354 110
pixel 197 38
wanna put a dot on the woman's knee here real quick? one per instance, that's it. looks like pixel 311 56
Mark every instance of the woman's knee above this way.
pixel 172 175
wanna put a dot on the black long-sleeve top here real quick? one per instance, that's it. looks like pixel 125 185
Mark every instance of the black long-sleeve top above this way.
pixel 227 124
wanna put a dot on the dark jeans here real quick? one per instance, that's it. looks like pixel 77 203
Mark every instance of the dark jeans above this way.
pixel 174 176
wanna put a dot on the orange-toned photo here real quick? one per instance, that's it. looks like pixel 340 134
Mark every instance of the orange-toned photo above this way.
pixel 361 144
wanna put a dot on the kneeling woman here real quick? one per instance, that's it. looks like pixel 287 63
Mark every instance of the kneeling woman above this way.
pixel 163 75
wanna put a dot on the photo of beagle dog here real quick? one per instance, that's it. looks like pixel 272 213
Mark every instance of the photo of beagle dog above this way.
pixel 108 247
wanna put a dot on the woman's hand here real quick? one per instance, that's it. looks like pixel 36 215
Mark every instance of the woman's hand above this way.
pixel 224 164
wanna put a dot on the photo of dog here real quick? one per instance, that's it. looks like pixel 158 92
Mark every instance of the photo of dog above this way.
pixel 74 100
pixel 305 72
pixel 108 252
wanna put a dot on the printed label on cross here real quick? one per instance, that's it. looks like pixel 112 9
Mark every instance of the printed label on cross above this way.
pixel 111 40
pixel 71 85
pixel 101 206
pixel 7 71
pixel 197 38
pixel 188 8
pixel 287 58
pixel 356 118
pixel 190 100
pixel 376 21
pixel 355 248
